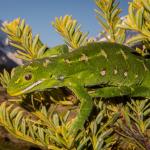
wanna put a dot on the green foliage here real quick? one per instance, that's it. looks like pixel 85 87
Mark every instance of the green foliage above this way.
pixel 108 17
pixel 22 124
pixel 70 31
pixel 138 20
pixel 123 125
pixel 49 128
pixel 134 126
pixel 100 129
pixel 5 78
pixel 20 36
pixel 16 122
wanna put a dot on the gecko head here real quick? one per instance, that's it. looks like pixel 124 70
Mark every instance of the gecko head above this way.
pixel 29 78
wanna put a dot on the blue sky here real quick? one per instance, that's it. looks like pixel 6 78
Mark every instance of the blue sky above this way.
pixel 40 13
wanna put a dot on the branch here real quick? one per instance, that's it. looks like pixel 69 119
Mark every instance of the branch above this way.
pixel 108 17
pixel 20 36
pixel 70 31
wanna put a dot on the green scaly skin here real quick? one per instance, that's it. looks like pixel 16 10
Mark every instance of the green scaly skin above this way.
pixel 112 65
pixel 55 51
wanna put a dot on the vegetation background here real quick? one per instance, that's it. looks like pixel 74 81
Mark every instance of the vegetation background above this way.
pixel 44 118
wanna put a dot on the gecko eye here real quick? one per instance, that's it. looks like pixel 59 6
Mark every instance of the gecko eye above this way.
pixel 28 77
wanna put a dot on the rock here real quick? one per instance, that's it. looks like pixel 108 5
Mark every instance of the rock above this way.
pixel 7 52
pixel 6 62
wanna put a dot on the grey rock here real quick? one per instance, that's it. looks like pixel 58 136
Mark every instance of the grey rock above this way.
pixel 7 52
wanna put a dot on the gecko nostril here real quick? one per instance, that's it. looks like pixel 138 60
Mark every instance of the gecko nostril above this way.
pixel 51 76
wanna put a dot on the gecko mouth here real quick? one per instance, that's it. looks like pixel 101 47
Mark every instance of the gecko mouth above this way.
pixel 28 88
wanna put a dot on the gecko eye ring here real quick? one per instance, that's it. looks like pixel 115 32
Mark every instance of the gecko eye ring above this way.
pixel 28 77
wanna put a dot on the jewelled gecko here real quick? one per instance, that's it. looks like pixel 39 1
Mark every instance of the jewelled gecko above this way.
pixel 112 65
